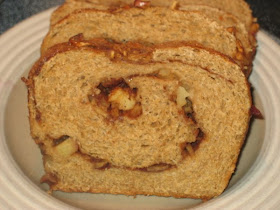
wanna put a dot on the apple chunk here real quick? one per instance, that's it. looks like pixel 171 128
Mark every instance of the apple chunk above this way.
pixel 67 148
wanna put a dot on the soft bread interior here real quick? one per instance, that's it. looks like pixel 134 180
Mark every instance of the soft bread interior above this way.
pixel 225 19
pixel 220 109
pixel 135 24
pixel 229 10
pixel 136 123
pixel 238 8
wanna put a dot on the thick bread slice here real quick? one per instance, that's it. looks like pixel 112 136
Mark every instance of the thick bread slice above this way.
pixel 152 25
pixel 220 104
pixel 239 8
pixel 229 21
pixel 224 18
pixel 189 53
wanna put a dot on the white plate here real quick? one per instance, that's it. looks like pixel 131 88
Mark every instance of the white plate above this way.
pixel 255 184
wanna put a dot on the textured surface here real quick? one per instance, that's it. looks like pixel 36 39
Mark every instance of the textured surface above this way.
pixel 204 194
pixel 14 11
pixel 167 25
pixel 194 177
pixel 225 19
pixel 258 188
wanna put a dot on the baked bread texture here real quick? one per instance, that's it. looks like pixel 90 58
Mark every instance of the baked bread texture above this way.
pixel 234 25
pixel 70 6
pixel 238 8
pixel 189 53
pixel 131 119
pixel 152 25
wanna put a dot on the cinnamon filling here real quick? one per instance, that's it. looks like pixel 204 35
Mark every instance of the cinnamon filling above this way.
pixel 118 99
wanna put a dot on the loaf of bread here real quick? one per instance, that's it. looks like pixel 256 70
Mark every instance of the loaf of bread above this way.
pixel 152 25
pixel 152 100
pixel 124 118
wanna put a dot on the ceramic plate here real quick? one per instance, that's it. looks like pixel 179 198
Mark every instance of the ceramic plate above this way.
pixel 256 182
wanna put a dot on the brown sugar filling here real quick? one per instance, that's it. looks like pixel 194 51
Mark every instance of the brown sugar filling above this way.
pixel 103 99
pixel 118 99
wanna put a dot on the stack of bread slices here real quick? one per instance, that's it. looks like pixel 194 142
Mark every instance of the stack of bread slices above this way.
pixel 143 97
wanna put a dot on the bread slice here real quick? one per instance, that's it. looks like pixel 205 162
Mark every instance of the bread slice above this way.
pixel 239 8
pixel 150 26
pixel 230 22
pixel 73 89
pixel 214 11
